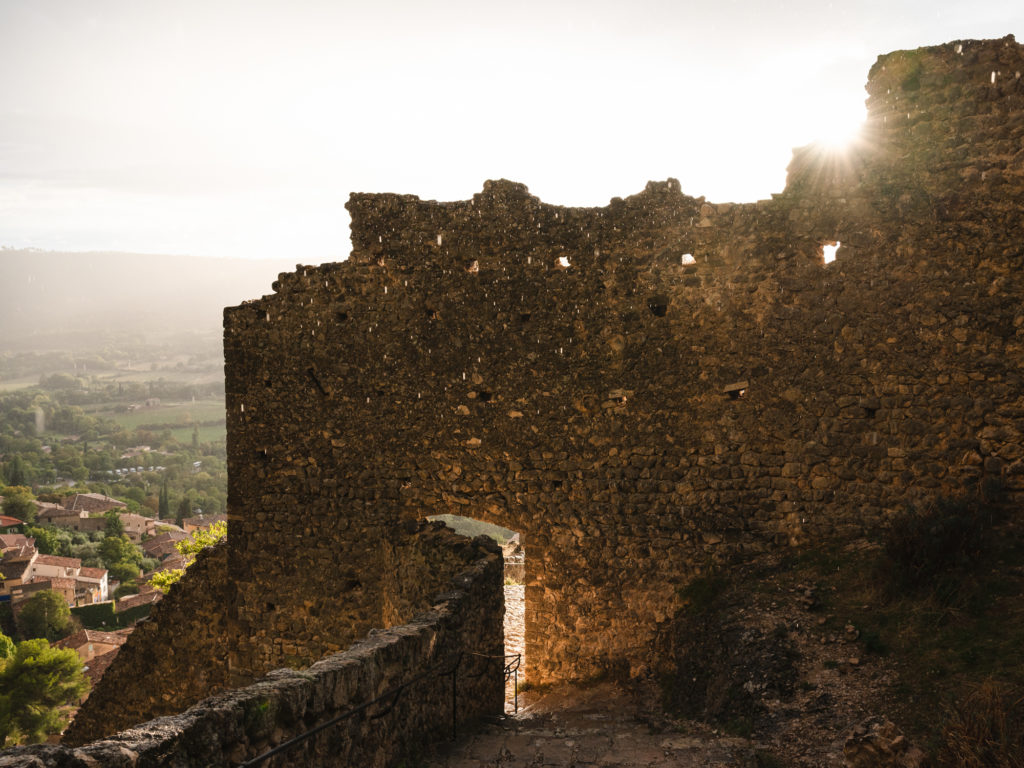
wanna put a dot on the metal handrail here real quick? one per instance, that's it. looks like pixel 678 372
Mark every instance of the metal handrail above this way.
pixel 511 668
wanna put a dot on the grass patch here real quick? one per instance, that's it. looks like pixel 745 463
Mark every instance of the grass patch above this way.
pixel 986 729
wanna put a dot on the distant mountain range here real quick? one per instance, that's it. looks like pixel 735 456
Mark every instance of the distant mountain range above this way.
pixel 45 294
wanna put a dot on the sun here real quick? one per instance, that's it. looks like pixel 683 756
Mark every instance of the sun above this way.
pixel 840 127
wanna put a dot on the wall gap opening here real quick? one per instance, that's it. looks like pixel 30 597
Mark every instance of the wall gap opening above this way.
pixel 515 587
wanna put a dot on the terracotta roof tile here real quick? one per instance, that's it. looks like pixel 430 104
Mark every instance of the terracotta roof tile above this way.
pixel 63 562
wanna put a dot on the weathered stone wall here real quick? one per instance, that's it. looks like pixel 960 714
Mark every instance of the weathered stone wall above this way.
pixel 241 724
pixel 561 371
pixel 180 655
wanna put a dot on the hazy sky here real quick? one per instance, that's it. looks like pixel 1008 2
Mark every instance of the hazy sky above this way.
pixel 239 128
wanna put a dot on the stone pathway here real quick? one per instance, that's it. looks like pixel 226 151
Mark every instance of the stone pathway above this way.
pixel 515 604
pixel 592 726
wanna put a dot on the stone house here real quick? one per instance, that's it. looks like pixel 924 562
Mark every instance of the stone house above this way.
pixel 27 572
pixel 93 503
pixel 162 544
pixel 90 643
pixel 10 524
pixel 53 566
pixel 92 586
pixel 63 586
pixel 15 569
pixel 54 514
pixel 135 526
pixel 16 543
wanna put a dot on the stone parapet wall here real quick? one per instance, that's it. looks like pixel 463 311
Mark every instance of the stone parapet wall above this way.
pixel 183 652
pixel 172 659
pixel 240 724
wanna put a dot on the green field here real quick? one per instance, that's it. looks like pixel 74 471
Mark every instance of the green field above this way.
pixel 206 434
pixel 10 385
pixel 170 414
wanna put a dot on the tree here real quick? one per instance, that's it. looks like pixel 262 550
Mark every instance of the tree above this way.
pixel 189 548
pixel 164 507
pixel 14 470
pixel 6 648
pixel 50 540
pixel 20 503
pixel 114 526
pixel 35 683
pixel 150 506
pixel 184 510
pixel 119 549
pixel 124 571
pixel 45 615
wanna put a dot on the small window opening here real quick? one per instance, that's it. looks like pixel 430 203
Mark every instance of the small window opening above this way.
pixel 658 305
pixel 524 317
pixel 483 397
pixel 737 389
pixel 828 251
pixel 342 316
pixel 431 314
pixel 870 412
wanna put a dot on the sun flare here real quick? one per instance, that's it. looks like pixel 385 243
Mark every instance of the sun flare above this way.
pixel 839 128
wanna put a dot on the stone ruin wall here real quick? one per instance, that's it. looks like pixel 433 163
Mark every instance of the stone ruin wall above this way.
pixel 454 365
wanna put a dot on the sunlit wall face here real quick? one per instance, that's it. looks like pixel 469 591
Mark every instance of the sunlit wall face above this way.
pixel 239 128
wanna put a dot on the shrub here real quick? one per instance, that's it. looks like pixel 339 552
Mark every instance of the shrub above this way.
pixel 951 535
pixel 985 730
pixel 701 594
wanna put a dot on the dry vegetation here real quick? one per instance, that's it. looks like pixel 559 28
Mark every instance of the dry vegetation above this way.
pixel 923 625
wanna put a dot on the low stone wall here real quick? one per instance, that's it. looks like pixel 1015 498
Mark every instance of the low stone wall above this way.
pixel 238 725
pixel 186 630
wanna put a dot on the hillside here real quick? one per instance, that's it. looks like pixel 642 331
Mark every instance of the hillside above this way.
pixel 64 300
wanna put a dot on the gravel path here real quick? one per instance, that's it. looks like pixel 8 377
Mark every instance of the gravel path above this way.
pixel 515 600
